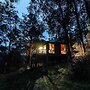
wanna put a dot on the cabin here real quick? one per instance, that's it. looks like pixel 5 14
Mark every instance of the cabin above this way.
pixel 49 52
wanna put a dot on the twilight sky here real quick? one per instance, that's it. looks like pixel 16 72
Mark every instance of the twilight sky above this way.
pixel 21 6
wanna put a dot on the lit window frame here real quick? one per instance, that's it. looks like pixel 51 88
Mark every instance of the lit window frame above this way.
pixel 63 49
pixel 42 49
pixel 51 48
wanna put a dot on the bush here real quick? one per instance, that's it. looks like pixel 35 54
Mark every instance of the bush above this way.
pixel 81 68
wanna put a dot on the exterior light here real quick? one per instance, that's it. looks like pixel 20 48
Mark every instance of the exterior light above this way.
pixel 40 48
pixel 44 47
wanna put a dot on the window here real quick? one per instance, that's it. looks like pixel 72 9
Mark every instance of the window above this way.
pixel 42 49
pixel 63 48
pixel 51 48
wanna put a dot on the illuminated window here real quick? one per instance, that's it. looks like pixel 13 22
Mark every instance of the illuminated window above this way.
pixel 63 49
pixel 51 48
pixel 42 49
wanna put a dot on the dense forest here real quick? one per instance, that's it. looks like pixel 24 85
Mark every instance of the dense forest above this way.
pixel 64 21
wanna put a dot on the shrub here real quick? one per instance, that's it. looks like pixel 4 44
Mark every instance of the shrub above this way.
pixel 81 68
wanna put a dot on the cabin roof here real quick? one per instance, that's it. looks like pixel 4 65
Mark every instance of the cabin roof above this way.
pixel 52 41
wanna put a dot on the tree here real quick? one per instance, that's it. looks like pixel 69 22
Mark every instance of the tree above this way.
pixel 87 3
pixel 9 23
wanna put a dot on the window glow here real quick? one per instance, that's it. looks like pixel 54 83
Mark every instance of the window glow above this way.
pixel 51 48
pixel 63 49
pixel 42 49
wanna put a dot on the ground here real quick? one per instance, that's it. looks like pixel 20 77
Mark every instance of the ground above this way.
pixel 57 77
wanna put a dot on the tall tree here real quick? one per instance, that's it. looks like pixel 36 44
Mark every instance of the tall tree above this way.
pixel 80 30
pixel 9 23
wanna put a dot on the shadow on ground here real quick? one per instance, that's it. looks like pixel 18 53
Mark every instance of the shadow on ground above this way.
pixel 50 78
pixel 21 81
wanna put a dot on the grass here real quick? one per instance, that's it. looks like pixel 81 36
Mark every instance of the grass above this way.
pixel 57 77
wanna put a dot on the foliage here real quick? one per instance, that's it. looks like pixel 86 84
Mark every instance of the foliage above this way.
pixel 81 68
pixel 35 79
pixel 57 18
pixel 63 20
pixel 8 25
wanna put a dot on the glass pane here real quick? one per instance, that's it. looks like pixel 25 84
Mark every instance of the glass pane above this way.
pixel 42 49
pixel 51 48
pixel 63 49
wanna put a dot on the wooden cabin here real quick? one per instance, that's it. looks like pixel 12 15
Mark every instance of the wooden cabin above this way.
pixel 49 52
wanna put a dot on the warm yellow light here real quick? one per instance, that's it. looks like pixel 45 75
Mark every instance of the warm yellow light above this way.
pixel 40 48
pixel 44 47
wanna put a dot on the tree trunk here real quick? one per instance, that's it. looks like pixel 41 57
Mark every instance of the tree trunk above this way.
pixel 9 49
pixel 80 31
pixel 66 34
